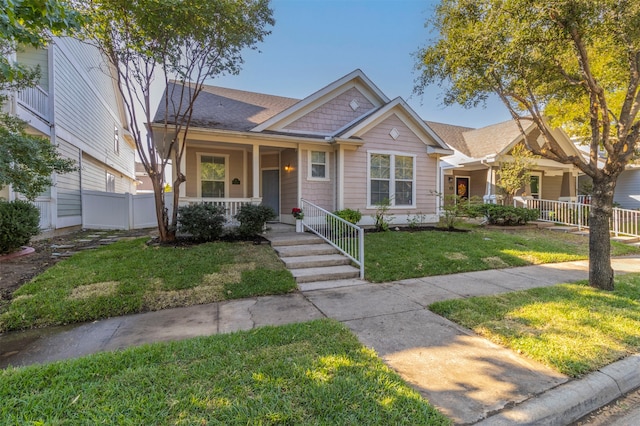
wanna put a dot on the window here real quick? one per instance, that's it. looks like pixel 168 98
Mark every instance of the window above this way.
pixel 111 183
pixel 318 165
pixel 391 177
pixel 116 140
pixel 535 184
pixel 212 176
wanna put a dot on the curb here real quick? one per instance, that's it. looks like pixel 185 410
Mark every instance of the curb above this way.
pixel 573 400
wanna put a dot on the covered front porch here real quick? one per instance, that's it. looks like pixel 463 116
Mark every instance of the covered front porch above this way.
pixel 233 170
pixel 549 180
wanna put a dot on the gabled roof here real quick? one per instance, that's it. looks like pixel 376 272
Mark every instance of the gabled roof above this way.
pixel 406 114
pixel 452 135
pixel 493 140
pixel 354 79
pixel 229 109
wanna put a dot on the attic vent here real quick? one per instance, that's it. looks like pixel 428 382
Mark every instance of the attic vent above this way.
pixel 354 105
pixel 394 133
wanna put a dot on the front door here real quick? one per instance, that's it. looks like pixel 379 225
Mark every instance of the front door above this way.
pixel 462 187
pixel 271 189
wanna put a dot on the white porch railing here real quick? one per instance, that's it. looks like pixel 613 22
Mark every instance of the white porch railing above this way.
pixel 36 100
pixel 231 205
pixel 345 236
pixel 623 221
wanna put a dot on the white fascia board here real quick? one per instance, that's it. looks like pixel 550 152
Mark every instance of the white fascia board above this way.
pixel 441 151
pixel 310 100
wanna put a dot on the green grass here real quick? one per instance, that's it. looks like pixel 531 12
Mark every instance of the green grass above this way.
pixel 393 256
pixel 312 373
pixel 130 276
pixel 573 328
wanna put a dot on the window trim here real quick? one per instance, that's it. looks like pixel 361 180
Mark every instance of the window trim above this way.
pixel 392 179
pixel 326 166
pixel 116 139
pixel 106 176
pixel 199 156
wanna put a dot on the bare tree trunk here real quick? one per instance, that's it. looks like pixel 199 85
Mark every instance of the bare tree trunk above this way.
pixel 166 233
pixel 600 271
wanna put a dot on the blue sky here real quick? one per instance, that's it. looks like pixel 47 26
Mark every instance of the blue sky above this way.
pixel 315 42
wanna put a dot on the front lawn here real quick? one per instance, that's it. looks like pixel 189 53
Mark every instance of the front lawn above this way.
pixel 312 373
pixel 391 256
pixel 573 328
pixel 130 276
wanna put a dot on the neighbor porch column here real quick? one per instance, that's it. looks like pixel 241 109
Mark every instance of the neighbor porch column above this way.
pixel 183 168
pixel 490 182
pixel 255 198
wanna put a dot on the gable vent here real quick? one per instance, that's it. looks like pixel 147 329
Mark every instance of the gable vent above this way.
pixel 394 133
pixel 354 105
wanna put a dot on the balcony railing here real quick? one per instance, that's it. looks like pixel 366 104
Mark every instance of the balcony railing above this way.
pixel 36 100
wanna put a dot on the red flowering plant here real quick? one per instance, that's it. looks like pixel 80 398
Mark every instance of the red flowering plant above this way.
pixel 297 212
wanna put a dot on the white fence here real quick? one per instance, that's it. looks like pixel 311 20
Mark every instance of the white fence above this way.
pixel 343 235
pixel 106 210
pixel 623 221
pixel 44 206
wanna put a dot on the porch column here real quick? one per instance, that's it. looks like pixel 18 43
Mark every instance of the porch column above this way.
pixel 490 182
pixel 255 198
pixel 183 168
pixel 340 177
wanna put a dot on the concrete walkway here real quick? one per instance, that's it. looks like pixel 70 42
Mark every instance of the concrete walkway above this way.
pixel 468 378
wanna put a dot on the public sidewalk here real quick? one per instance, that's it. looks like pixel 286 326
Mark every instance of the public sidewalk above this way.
pixel 465 376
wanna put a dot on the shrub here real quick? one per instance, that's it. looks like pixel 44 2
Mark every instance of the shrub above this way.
pixel 455 207
pixel 19 221
pixel 252 219
pixel 202 221
pixel 350 215
pixel 504 215
pixel 382 217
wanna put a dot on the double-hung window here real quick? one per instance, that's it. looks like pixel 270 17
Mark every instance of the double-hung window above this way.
pixel 212 176
pixel 318 165
pixel 392 178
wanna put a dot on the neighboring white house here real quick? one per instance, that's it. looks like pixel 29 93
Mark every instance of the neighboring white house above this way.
pixel 78 107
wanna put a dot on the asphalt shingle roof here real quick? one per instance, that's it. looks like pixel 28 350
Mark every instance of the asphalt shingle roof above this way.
pixel 229 109
pixel 477 143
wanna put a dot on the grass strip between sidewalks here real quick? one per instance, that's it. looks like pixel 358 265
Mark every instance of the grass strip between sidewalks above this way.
pixel 391 256
pixel 572 328
pixel 309 373
pixel 130 276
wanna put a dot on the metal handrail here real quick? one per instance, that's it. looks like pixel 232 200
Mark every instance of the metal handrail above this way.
pixel 341 234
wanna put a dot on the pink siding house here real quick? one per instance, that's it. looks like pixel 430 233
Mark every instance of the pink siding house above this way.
pixel 345 146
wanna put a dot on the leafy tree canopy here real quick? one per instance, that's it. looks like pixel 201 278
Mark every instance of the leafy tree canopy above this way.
pixel 571 62
pixel 183 42
pixel 574 61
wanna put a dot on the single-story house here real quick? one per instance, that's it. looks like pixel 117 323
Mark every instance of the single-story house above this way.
pixel 345 146
pixel 478 153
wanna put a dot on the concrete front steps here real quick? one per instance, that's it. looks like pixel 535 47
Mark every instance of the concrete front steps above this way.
pixel 310 259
